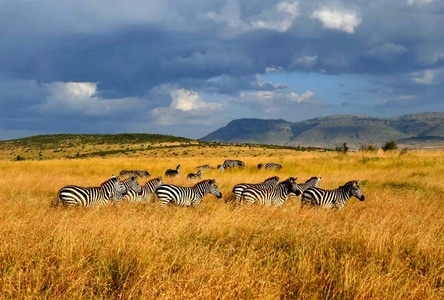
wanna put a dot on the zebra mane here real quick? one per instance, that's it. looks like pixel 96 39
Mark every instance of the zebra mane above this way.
pixel 272 178
pixel 210 181
pixel 348 184
pixel 312 178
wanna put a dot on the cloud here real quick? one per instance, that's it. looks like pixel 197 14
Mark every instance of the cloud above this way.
pixel 387 51
pixel 426 77
pixel 81 98
pixel 186 105
pixel 419 2
pixel 305 61
pixel 278 17
pixel 338 19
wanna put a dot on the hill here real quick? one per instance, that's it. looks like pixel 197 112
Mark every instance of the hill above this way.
pixel 413 130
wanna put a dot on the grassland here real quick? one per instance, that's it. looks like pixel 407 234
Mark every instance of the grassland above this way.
pixel 390 246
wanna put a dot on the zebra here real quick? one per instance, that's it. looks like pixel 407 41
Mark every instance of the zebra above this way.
pixel 131 184
pixel 312 182
pixel 173 173
pixel 187 196
pixel 147 191
pixel 72 195
pixel 203 167
pixel 198 175
pixel 274 166
pixel 220 168
pixel 332 198
pixel 135 173
pixel 272 196
pixel 239 188
pixel 233 163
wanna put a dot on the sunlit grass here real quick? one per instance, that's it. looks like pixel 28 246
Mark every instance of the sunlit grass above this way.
pixel 390 246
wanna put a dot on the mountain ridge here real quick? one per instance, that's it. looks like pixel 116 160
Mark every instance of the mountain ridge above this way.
pixel 415 130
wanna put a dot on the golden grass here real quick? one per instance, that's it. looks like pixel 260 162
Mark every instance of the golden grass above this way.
pixel 391 246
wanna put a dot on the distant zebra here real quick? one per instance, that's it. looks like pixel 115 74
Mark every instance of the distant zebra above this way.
pixel 135 173
pixel 273 166
pixel 146 193
pixel 220 168
pixel 267 183
pixel 203 167
pixel 233 163
pixel 272 196
pixel 198 175
pixel 187 196
pixel 332 198
pixel 173 173
pixel 73 195
pixel 312 182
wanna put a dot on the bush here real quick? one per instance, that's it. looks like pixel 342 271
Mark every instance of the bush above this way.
pixel 390 146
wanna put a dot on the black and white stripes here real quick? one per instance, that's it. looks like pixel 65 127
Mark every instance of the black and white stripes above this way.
pixel 186 196
pixel 239 188
pixel 336 198
pixel 72 195
pixel 272 196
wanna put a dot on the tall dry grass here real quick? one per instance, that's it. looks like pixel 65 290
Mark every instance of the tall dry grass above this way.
pixel 391 246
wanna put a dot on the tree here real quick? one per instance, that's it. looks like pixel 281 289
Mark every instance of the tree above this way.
pixel 390 146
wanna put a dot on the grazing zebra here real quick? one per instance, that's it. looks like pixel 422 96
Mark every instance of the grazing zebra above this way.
pixel 273 166
pixel 187 196
pixel 135 173
pixel 198 175
pixel 267 183
pixel 260 166
pixel 312 182
pixel 73 195
pixel 173 173
pixel 220 168
pixel 131 184
pixel 332 198
pixel 271 196
pixel 233 163
pixel 203 167
pixel 146 193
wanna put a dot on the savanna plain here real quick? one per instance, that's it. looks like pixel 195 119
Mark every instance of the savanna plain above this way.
pixel 389 246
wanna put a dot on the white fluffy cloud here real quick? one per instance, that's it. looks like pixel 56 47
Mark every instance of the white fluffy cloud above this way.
pixel 82 98
pixel 338 19
pixel 186 105
pixel 427 77
pixel 275 101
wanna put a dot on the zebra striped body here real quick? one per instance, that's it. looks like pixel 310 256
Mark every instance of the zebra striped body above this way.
pixel 131 184
pixel 173 173
pixel 146 193
pixel 273 166
pixel 135 173
pixel 196 176
pixel 187 196
pixel 203 167
pixel 312 182
pixel 73 195
pixel 267 183
pixel 233 163
pixel 275 196
pixel 332 198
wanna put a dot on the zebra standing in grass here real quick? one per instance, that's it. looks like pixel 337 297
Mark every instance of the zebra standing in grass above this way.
pixel 312 182
pixel 146 193
pixel 203 168
pixel 275 196
pixel 267 183
pixel 233 163
pixel 187 196
pixel 72 195
pixel 131 184
pixel 198 175
pixel 173 173
pixel 135 173
pixel 274 166
pixel 332 198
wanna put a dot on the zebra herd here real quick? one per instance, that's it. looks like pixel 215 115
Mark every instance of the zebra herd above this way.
pixel 270 192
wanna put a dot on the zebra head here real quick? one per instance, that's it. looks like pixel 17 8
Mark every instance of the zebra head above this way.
pixel 292 186
pixel 113 187
pixel 213 188
pixel 355 190
pixel 260 166
pixel 132 184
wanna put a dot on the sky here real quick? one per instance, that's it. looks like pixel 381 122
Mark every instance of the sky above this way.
pixel 187 68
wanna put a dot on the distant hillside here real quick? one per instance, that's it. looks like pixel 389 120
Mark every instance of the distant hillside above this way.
pixel 415 130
